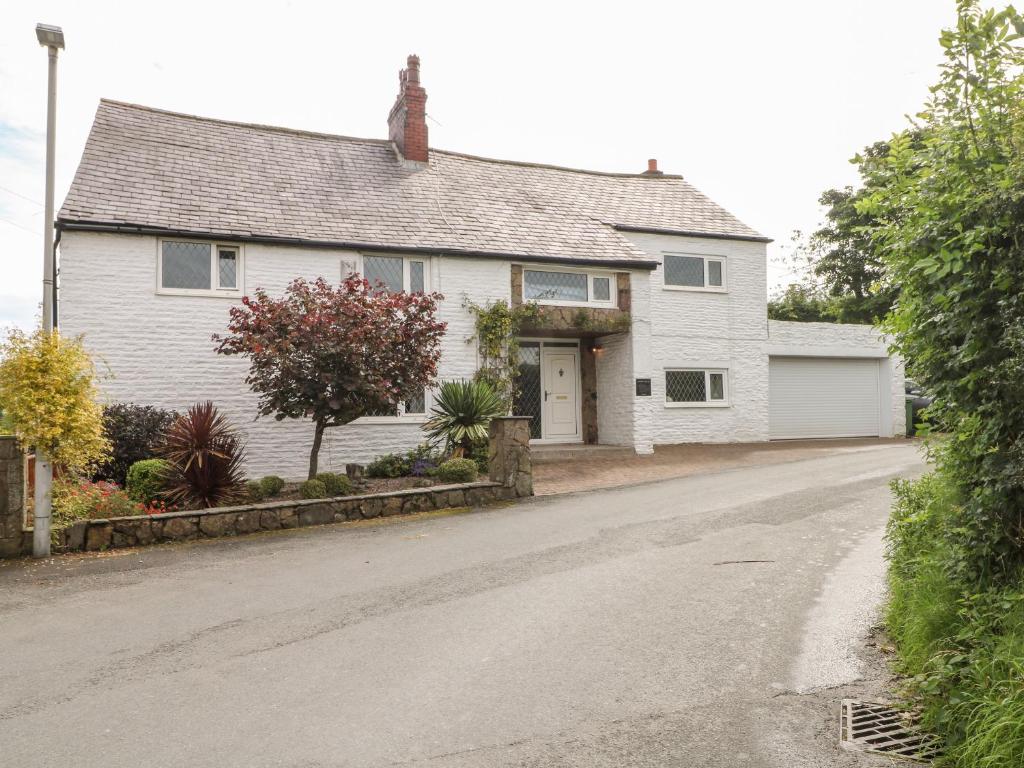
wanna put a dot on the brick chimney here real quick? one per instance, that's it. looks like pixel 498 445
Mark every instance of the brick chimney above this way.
pixel 652 169
pixel 407 123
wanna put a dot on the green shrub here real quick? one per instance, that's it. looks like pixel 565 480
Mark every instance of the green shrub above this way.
pixel 336 484
pixel 388 465
pixel 135 432
pixel 272 485
pixel 457 471
pixel 313 489
pixel 146 480
pixel 254 489
pixel 480 455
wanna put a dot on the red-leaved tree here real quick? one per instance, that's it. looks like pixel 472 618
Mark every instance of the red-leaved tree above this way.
pixel 333 354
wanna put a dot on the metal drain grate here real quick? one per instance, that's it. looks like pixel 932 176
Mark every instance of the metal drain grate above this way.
pixel 869 727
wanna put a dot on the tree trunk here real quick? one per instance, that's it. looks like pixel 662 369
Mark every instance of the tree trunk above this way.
pixel 314 454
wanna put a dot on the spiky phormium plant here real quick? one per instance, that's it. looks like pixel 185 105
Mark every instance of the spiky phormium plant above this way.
pixel 205 454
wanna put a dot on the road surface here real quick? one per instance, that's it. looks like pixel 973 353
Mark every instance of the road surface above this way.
pixel 710 620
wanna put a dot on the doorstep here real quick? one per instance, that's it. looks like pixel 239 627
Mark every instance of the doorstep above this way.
pixel 542 453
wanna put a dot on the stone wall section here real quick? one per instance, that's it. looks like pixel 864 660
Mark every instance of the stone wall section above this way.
pixel 12 497
pixel 140 530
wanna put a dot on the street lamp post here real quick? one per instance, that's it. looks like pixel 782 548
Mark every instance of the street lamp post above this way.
pixel 53 38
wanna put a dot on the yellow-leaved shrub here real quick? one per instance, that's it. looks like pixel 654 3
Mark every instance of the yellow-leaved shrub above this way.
pixel 49 396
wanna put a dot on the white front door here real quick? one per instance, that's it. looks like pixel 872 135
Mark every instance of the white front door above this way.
pixel 561 404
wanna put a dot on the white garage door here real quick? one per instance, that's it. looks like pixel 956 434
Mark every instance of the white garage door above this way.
pixel 823 397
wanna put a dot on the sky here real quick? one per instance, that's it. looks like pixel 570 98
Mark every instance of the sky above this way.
pixel 759 104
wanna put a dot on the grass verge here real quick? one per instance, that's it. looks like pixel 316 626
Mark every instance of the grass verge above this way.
pixel 961 647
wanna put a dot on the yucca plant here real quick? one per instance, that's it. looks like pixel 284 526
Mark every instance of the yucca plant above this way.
pixel 462 413
pixel 205 455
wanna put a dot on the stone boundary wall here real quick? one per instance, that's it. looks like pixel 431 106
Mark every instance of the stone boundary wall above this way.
pixel 12 497
pixel 94 535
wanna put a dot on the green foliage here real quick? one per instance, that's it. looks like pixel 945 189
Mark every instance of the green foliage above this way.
pixel 498 328
pixel 948 198
pixel 961 647
pixel 313 489
pixel 135 432
pixel 457 471
pixel 50 399
pixel 204 455
pixel 75 499
pixel 802 303
pixel 336 484
pixel 255 491
pixel 146 480
pixel 418 462
pixel 272 485
pixel 462 413
pixel 388 465
pixel 480 453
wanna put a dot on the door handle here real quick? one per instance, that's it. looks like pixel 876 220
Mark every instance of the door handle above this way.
pixel 545 395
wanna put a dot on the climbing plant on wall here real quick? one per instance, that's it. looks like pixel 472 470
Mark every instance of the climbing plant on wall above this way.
pixel 498 327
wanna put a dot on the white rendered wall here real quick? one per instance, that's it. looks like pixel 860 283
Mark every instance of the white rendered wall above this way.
pixel 703 329
pixel 157 349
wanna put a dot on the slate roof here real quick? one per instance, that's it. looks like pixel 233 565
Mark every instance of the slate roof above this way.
pixel 161 171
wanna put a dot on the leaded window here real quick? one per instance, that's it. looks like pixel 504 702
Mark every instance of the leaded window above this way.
pixel 695 386
pixel 692 271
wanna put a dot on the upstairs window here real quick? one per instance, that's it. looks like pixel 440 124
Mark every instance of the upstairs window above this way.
pixel 693 272
pixel 188 267
pixel 395 273
pixel 547 286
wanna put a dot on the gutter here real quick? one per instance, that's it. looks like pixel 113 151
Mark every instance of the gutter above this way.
pixel 297 242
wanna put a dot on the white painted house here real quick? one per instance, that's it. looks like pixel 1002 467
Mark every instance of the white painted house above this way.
pixel 655 328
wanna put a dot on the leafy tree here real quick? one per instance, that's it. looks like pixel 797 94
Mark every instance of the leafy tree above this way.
pixel 948 202
pixel 333 354
pixel 846 277
pixel 50 399
pixel 802 302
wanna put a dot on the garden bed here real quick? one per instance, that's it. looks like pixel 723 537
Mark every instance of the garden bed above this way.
pixel 136 530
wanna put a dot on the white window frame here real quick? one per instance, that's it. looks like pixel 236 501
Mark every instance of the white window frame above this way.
pixel 611 303
pixel 725 402
pixel 706 288
pixel 347 267
pixel 215 290
pixel 402 417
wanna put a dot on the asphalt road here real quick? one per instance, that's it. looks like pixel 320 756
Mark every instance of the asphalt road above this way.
pixel 627 627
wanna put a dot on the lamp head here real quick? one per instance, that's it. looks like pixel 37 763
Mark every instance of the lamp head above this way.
pixel 50 36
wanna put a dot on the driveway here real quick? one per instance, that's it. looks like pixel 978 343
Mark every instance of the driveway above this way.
pixel 712 620
pixel 670 461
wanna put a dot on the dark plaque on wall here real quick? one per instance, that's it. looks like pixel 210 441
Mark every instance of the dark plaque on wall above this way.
pixel 643 387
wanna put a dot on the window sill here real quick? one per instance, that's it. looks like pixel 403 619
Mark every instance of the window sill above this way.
pixel 581 304
pixel 216 294
pixel 694 289
pixel 390 420
pixel 699 405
